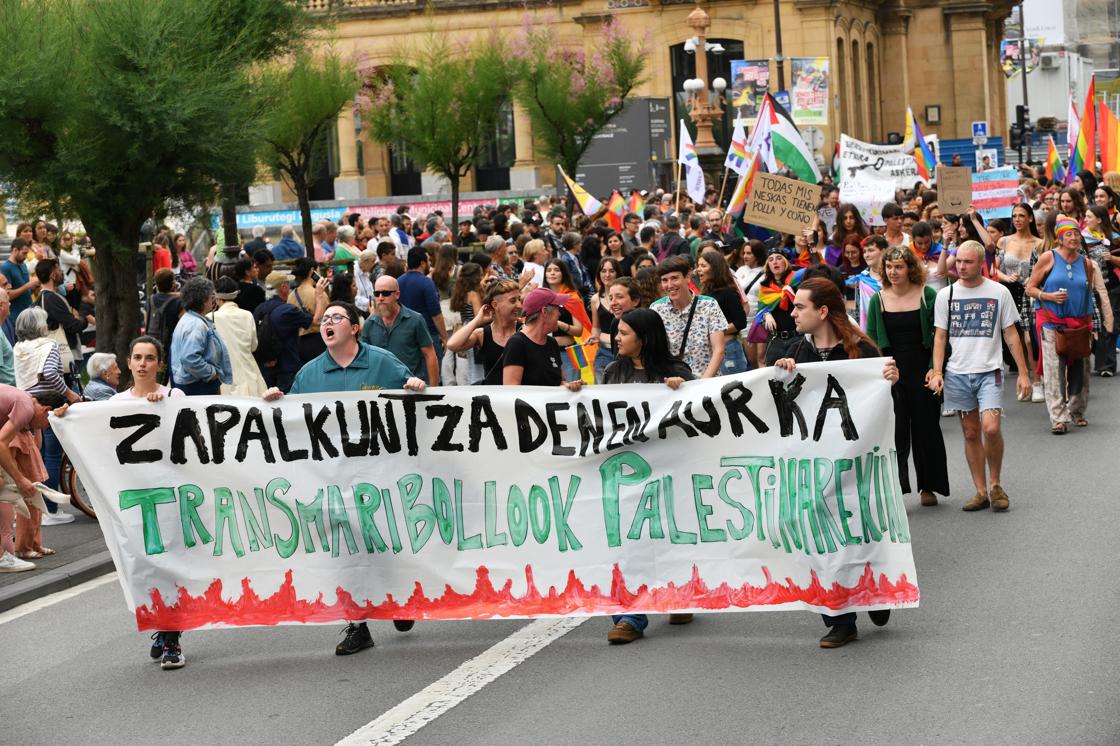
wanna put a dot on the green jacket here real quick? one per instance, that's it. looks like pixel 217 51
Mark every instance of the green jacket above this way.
pixel 878 331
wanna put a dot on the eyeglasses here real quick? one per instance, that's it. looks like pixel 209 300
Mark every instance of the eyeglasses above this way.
pixel 383 293
pixel 334 318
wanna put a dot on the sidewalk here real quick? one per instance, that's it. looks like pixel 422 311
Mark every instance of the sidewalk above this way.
pixel 81 556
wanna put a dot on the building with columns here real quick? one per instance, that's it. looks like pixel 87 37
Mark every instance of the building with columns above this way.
pixel 939 57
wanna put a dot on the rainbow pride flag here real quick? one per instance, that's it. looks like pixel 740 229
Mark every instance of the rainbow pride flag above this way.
pixel 1083 154
pixel 636 205
pixel 738 157
pixel 923 156
pixel 616 210
pixel 1108 132
pixel 743 188
pixel 1055 171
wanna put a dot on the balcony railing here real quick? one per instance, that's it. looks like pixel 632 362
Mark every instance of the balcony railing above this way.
pixel 360 8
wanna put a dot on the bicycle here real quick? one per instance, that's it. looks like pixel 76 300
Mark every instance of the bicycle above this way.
pixel 70 482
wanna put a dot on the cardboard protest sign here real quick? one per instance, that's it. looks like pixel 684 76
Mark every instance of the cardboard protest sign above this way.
pixel 743 492
pixel 996 192
pixel 954 189
pixel 868 196
pixel 862 161
pixel 781 203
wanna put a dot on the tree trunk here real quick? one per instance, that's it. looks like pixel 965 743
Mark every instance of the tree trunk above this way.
pixel 454 179
pixel 229 215
pixel 116 293
pixel 299 181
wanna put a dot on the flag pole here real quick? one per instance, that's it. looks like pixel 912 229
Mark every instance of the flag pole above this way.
pixel 722 188
pixel 677 189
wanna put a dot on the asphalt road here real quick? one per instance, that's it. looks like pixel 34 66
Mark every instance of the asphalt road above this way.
pixel 1014 642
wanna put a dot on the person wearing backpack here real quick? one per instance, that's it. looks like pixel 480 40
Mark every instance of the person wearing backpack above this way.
pixel 278 327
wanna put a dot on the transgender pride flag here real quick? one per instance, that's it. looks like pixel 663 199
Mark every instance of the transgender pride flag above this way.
pixel 995 192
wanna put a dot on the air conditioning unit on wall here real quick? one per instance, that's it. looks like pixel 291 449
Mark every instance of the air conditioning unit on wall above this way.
pixel 1048 61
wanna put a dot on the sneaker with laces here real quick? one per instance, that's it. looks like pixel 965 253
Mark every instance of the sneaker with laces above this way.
pixel 1037 395
pixel 357 639
pixel 11 563
pixel 839 635
pixel 57 519
pixel 157 646
pixel 403 625
pixel 172 653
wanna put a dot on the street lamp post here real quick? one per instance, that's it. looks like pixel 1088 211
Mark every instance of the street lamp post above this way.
pixel 702 110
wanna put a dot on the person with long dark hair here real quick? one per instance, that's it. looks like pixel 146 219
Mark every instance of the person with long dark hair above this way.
pixel 850 228
pixel 610 269
pixel 644 356
pixel 1017 255
pixel 716 281
pixel 829 334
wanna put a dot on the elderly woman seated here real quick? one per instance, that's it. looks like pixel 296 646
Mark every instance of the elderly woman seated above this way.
pixel 104 376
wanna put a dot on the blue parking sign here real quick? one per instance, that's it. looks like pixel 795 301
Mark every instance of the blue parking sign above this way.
pixel 979 129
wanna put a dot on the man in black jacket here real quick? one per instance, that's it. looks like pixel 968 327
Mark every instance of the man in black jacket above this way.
pixel 54 303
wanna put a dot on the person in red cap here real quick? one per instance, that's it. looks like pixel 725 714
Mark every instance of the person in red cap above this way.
pixel 532 357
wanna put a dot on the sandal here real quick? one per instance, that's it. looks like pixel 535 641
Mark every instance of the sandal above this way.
pixel 46 551
pixel 29 555
pixel 1059 429
pixel 1081 422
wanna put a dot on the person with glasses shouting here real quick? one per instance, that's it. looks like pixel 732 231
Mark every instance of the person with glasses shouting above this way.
pixel 349 364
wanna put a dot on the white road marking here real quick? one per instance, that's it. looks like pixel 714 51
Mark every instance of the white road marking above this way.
pixel 437 698
pixel 46 601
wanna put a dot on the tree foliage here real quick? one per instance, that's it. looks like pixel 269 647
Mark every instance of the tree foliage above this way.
pixel 441 104
pixel 569 95
pixel 121 106
pixel 306 96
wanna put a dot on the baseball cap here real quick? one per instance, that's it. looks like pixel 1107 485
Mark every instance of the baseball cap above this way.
pixel 537 299
pixel 276 279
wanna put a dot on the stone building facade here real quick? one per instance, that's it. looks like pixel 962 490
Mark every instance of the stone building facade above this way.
pixel 939 57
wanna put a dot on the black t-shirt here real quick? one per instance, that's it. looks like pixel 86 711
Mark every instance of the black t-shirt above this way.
pixel 249 296
pixel 541 363
pixel 623 371
pixel 805 352
pixel 491 356
pixel 732 306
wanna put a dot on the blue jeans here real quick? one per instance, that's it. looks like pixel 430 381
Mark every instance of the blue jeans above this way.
pixel 637 621
pixel 734 358
pixel 603 358
pixel 52 459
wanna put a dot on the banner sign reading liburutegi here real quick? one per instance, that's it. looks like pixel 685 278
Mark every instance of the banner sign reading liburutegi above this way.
pixel 745 492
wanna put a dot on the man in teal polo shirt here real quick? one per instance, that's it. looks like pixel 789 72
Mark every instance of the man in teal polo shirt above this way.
pixel 350 365
pixel 401 331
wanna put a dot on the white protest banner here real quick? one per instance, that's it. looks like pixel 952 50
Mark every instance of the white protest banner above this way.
pixel 869 196
pixel 862 161
pixel 735 493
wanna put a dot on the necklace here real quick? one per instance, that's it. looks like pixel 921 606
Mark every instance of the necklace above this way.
pixel 826 352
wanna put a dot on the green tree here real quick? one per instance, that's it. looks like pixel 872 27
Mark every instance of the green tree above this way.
pixel 569 95
pixel 441 105
pixel 306 97
pixel 124 106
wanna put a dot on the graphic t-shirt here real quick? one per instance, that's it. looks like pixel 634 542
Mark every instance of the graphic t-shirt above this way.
pixel 975 324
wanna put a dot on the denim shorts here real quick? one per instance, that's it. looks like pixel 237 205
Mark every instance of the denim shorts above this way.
pixel 966 392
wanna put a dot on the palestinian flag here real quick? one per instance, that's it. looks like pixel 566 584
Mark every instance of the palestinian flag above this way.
pixel 778 140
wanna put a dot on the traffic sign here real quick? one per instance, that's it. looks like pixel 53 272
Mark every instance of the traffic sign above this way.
pixel 980 129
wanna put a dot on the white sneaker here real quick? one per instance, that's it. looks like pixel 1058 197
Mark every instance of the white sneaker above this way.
pixel 11 563
pixel 1037 396
pixel 57 519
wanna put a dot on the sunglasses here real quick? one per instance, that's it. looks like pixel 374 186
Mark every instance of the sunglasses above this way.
pixel 383 293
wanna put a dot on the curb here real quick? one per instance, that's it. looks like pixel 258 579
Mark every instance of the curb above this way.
pixel 58 579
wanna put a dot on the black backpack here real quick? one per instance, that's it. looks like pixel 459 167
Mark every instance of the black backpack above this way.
pixel 162 320
pixel 269 345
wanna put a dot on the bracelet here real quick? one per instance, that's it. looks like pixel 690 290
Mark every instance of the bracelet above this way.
pixel 936 373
